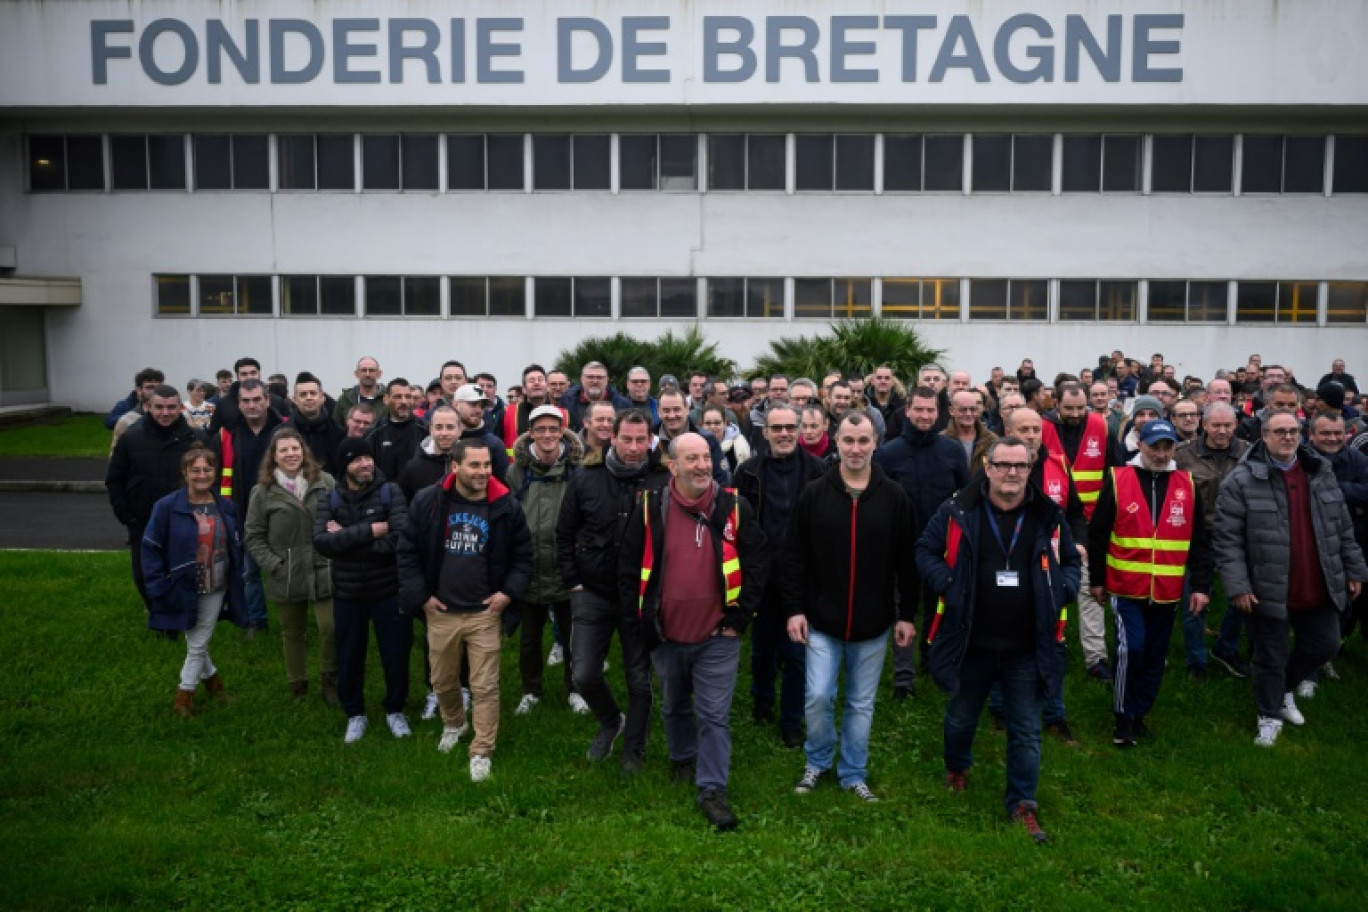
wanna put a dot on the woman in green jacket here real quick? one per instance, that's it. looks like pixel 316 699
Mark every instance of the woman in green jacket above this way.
pixel 280 538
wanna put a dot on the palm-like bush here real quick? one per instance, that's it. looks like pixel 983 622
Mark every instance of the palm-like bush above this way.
pixel 619 353
pixel 668 354
pixel 851 346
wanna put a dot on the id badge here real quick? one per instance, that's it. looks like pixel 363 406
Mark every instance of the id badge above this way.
pixel 1008 579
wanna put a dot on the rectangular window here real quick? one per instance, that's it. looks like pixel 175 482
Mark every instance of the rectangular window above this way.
pixel 238 162
pixel 466 162
pixel 422 296
pixel 1348 301
pixel 299 296
pixel 825 299
pixel 1256 302
pixel 507 296
pixel 726 297
pixel 504 154
pixel 336 162
pixel 251 162
pixel 902 163
pixel 1351 164
pixel 166 162
pixel 593 162
pixel 1304 164
pixel 393 162
pixel 755 298
pixel 550 164
pixel 85 163
pixel 921 299
pixel 593 297
pixel 765 298
pixel 1120 164
pixel 639 297
pixel 678 162
pixel 47 163
pixel 815 162
pixel 1207 302
pixel 855 162
pixel 295 162
pixel 254 295
pixel 234 295
pixel 1298 302
pixel 128 162
pixel 667 298
pixel 1089 301
pixel 765 162
pixel 173 295
pixel 216 295
pixel 943 163
pixel 1167 302
pixel 1082 164
pixel 498 296
pixel 1213 164
pixel 727 162
pixel 555 297
pixel 379 166
pixel 638 161
pixel 992 163
pixel 329 296
pixel 988 299
pixel 408 296
pixel 1009 299
pixel 337 296
pixel 1171 164
pixel 1261 170
pixel 468 295
pixel 1013 163
pixel 418 161
pixel 67 163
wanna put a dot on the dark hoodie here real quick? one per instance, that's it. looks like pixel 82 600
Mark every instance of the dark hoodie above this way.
pixel 928 465
pixel 575 403
pixel 322 434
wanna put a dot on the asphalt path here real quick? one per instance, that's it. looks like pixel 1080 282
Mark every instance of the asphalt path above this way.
pixel 55 520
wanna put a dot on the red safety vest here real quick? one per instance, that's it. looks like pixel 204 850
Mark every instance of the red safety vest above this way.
pixel 226 470
pixel 1144 561
pixel 731 560
pixel 1090 462
pixel 1049 437
pixel 509 432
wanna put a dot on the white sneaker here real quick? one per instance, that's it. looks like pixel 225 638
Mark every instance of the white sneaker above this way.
pixel 450 738
pixel 556 656
pixel 356 727
pixel 1290 712
pixel 1306 689
pixel 1328 669
pixel 1269 729
pixel 398 725
pixel 465 698
pixel 578 706
pixel 526 704
pixel 605 666
pixel 479 769
pixel 430 707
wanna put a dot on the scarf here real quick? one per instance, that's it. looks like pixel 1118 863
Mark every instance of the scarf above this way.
pixel 819 448
pixel 620 470
pixel 297 486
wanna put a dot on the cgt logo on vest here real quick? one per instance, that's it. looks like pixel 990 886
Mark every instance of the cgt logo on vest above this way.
pixel 1092 449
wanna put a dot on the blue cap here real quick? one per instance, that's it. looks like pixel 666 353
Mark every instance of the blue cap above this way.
pixel 1155 431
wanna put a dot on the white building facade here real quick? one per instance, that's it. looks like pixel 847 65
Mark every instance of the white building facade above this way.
pixel 186 181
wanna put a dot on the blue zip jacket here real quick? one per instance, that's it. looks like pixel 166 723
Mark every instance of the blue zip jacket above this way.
pixel 1053 584
pixel 168 561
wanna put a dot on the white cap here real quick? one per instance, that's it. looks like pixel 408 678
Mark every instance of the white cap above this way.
pixel 470 393
pixel 546 411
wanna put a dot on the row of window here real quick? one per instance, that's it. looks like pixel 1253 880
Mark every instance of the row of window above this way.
pixel 858 162
pixel 1016 300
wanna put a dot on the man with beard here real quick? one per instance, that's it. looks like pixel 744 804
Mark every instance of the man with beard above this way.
pixel 309 416
pixel 396 436
pixel 470 403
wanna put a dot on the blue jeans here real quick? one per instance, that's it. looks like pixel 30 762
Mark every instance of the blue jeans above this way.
pixel 1194 631
pixel 697 682
pixel 1054 706
pixel 1024 700
pixel 771 651
pixel 1143 631
pixel 254 590
pixel 863 662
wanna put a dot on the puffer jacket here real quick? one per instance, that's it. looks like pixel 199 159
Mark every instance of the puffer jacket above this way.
pixel 1250 532
pixel 541 491
pixel 928 467
pixel 169 546
pixel 146 466
pixel 280 538
pixel 364 568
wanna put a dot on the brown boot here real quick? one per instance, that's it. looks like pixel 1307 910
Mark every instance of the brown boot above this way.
pixel 214 685
pixel 185 703
pixel 298 689
pixel 330 695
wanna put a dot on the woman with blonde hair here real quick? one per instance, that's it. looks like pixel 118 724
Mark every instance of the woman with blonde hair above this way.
pixel 280 539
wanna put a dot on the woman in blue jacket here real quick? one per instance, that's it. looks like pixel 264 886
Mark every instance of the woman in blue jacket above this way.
pixel 192 560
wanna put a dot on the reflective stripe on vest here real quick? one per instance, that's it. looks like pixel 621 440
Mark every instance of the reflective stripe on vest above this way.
pixel 731 559
pixel 1090 463
pixel 1144 561
pixel 226 473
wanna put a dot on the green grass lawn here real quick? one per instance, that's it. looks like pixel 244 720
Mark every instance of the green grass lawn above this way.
pixel 108 800
pixel 70 437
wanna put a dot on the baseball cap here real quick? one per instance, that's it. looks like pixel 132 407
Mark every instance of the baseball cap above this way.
pixel 738 394
pixel 668 380
pixel 1155 431
pixel 546 411
pixel 470 393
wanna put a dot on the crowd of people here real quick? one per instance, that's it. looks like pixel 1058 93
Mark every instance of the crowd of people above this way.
pixel 824 516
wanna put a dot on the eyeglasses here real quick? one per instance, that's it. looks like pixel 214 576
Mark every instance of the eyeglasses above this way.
pixel 1180 416
pixel 1009 468
pixel 783 428
pixel 1284 432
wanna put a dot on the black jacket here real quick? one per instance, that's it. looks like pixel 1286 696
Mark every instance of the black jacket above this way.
pixel 593 518
pixel 146 466
pixel 831 538
pixel 720 473
pixel 928 465
pixel 395 443
pixel 364 568
pixel 574 403
pixel 425 468
pixel 498 453
pixel 423 538
pixel 750 477
pixel 227 414
pixel 322 434
pixel 750 549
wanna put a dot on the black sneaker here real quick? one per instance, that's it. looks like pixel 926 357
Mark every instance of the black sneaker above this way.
pixel 1197 674
pixel 1062 731
pixel 683 771
pixel 902 693
pixel 1237 666
pixel 603 742
pixel 713 804
pixel 1100 671
pixel 1124 736
pixel 792 738
pixel 1026 817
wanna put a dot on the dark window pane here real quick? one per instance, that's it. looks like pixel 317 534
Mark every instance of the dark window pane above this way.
pixel 420 161
pixel 902 162
pixel 554 297
pixel 992 162
pixel 1117 300
pixel 383 296
pixel 337 296
pixel 1077 300
pixel 423 296
pixel 295 160
pixel 765 298
pixel 1207 302
pixel 679 298
pixel 299 295
pixel 466 162
pixel 47 163
pixel 173 295
pixel 852 298
pixel 1304 165
pixel 1297 302
pixel 812 299
pixel 1213 164
pixel 1167 302
pixel 814 162
pixel 638 297
pixel 251 163
pixel 1028 300
pixel 765 162
pixel 1082 165
pixel 1262 165
pixel 467 295
pixel 85 163
pixel 1256 302
pixel 1171 164
pixel 593 162
pixel 336 162
pixel 944 156
pixel 166 162
pixel 678 162
pixel 1348 301
pixel 506 162
pixel 1032 163
pixel 128 162
pixel 988 299
pixel 940 299
pixel 1351 164
pixel 637 162
pixel 216 295
pixel 855 162
pixel 593 297
pixel 902 298
pixel 550 163
pixel 507 296
pixel 726 297
pixel 726 162
pixel 254 295
pixel 379 163
pixel 1121 164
